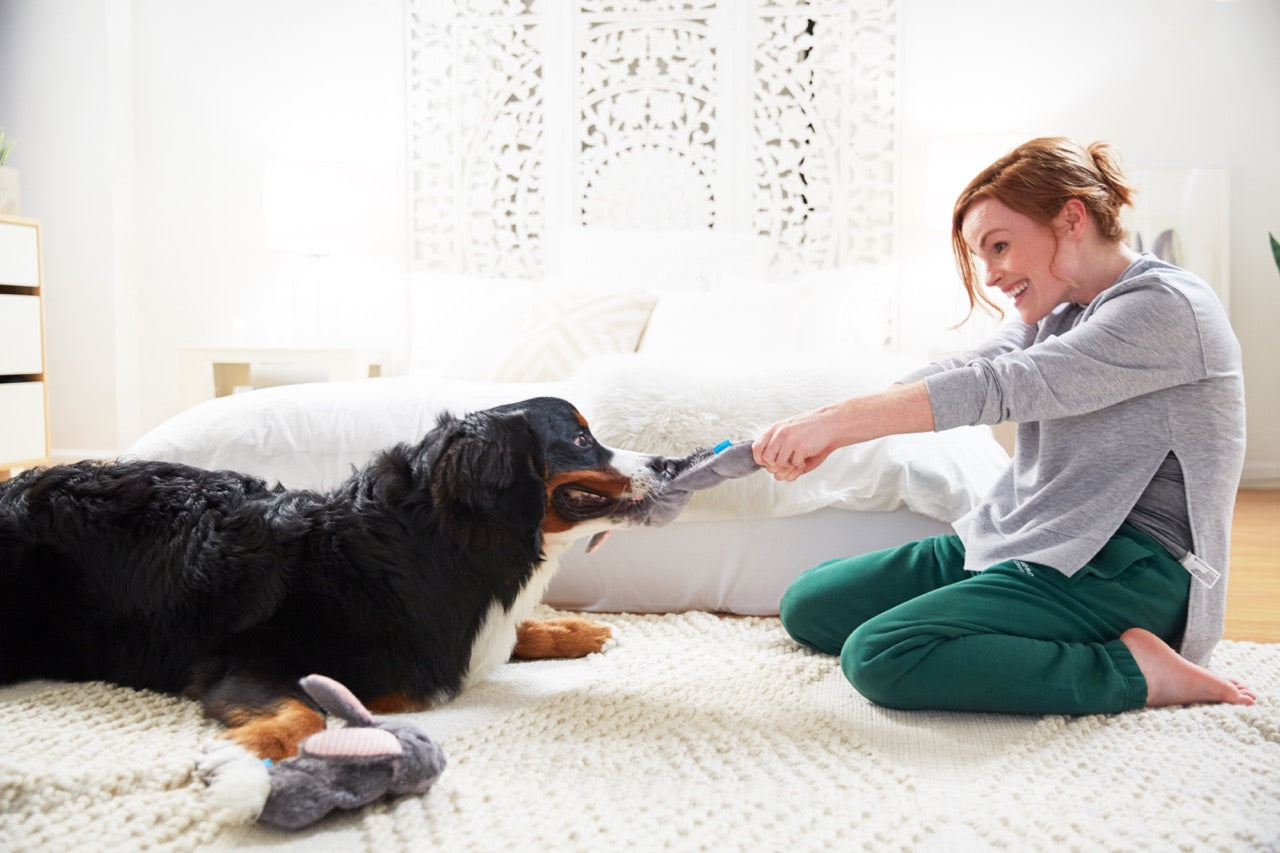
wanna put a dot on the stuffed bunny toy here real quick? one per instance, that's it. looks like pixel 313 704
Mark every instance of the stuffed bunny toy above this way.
pixel 339 768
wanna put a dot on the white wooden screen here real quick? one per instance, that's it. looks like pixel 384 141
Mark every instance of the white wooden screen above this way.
pixel 767 117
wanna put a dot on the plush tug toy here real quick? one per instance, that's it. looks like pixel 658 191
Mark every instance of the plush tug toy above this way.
pixel 341 768
pixel 726 461
pixel 711 467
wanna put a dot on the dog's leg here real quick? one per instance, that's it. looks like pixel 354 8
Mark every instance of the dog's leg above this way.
pixel 268 721
pixel 559 638
pixel 397 703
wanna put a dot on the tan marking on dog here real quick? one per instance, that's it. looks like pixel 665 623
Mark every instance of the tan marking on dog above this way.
pixel 613 484
pixel 273 734
pixel 397 703
pixel 538 639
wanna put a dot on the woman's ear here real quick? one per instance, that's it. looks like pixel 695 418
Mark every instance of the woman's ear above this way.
pixel 1071 219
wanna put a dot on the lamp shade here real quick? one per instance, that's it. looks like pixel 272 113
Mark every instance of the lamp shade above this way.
pixel 316 208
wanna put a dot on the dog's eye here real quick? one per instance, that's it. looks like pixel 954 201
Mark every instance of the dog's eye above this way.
pixel 582 440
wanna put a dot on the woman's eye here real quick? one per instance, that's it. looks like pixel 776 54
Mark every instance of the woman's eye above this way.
pixel 581 440
pixel 1000 247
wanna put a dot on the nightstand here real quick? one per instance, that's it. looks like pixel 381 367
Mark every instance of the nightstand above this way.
pixel 24 425
pixel 207 372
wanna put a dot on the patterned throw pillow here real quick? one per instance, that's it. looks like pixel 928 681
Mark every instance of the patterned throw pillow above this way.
pixel 566 330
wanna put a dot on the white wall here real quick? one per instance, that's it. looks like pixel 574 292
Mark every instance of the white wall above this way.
pixel 61 66
pixel 221 90
pixel 145 125
pixel 1168 82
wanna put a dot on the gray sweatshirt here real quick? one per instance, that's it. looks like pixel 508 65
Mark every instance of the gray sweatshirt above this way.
pixel 1102 394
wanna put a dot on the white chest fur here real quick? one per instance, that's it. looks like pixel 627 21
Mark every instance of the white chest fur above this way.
pixel 497 635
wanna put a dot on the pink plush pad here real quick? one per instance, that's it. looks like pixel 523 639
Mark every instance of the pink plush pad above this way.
pixel 351 743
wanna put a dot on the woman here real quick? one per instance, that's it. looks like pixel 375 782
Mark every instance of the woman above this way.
pixel 1103 547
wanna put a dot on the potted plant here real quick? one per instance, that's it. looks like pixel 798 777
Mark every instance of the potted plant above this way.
pixel 9 198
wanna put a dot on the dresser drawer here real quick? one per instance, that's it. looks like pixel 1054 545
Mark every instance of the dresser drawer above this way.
pixel 22 432
pixel 19 255
pixel 20 349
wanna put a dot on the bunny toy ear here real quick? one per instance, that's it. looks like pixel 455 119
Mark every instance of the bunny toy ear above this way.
pixel 337 699
pixel 352 744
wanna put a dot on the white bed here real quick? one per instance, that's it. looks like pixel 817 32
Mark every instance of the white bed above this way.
pixel 736 547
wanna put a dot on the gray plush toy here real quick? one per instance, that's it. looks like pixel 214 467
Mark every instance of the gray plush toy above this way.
pixel 341 768
pixel 710 466
pixel 726 461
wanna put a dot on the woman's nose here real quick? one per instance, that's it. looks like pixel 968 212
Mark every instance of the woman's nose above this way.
pixel 991 277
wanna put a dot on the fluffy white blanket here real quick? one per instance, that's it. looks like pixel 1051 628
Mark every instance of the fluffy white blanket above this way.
pixel 667 405
pixel 690 732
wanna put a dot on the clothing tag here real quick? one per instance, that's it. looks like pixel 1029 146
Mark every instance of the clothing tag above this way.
pixel 1200 570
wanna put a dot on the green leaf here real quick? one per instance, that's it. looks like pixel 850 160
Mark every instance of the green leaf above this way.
pixel 1275 249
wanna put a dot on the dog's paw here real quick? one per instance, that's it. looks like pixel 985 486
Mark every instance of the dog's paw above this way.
pixel 238 780
pixel 570 637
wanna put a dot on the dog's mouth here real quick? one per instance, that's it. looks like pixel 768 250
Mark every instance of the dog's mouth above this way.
pixel 581 503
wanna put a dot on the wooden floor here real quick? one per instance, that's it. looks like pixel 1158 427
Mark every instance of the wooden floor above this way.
pixel 1253 591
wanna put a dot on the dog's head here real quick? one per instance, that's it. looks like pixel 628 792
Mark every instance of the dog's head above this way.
pixel 535 466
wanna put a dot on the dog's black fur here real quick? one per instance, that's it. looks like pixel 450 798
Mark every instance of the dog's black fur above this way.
pixel 215 584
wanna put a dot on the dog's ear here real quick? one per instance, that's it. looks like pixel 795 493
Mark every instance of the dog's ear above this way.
pixel 490 468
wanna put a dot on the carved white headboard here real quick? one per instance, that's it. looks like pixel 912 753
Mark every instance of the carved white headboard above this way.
pixel 766 117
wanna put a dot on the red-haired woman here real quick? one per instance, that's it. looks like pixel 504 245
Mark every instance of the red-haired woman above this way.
pixel 1093 578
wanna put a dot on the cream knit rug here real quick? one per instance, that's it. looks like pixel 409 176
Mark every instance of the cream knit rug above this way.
pixel 690 732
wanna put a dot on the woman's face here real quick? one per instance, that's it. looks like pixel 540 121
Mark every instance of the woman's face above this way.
pixel 1015 253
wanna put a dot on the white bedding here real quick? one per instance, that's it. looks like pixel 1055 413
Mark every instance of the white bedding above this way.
pixel 734 549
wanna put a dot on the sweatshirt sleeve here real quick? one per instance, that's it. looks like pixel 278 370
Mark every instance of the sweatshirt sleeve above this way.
pixel 1010 337
pixel 1136 338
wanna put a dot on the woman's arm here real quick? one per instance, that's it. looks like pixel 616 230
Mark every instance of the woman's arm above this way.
pixel 1009 337
pixel 801 443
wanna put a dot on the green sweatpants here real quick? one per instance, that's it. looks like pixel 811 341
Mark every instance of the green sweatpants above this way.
pixel 915 630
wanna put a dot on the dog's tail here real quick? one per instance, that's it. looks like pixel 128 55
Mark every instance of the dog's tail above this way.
pixel 15 583
pixel 10 586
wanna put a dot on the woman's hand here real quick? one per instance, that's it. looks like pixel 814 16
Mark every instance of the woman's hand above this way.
pixel 797 445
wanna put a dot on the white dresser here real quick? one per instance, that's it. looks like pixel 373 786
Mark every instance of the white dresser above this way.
pixel 24 421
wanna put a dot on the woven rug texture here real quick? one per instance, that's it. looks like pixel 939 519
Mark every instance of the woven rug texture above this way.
pixel 690 732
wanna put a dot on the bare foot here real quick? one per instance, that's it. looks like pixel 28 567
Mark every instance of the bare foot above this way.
pixel 1174 680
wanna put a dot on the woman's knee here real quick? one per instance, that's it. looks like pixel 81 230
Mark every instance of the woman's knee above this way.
pixel 868 662
pixel 805 612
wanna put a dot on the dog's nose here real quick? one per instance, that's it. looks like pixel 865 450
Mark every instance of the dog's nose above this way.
pixel 665 467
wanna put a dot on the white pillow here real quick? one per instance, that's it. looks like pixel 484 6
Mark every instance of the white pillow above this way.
pixel 309 436
pixel 569 330
pixel 511 330
pixel 820 314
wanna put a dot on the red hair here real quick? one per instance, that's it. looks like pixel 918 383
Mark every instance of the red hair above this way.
pixel 1036 179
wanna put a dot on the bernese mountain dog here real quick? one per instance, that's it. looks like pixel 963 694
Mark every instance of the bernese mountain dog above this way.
pixel 409 581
